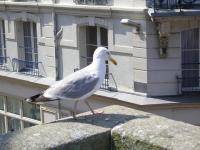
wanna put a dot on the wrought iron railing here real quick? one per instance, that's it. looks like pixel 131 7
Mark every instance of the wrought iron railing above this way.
pixel 173 4
pixel 4 63
pixel 107 83
pixel 26 67
pixel 92 2
pixel 188 84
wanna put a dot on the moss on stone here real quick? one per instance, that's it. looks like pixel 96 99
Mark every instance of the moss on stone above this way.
pixel 127 143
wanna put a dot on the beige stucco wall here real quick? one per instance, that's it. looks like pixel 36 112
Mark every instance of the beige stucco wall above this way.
pixel 162 72
pixel 137 53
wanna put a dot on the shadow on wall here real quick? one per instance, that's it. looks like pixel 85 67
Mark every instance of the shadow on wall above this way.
pixel 104 120
pixel 85 132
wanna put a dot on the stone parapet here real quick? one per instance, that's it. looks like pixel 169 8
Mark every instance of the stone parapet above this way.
pixel 117 128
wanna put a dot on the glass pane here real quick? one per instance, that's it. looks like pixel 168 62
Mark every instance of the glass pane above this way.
pixel 91 42
pixel 1 44
pixel 13 124
pixel 28 124
pixel 31 111
pixel 13 105
pixel 1 103
pixel 26 26
pixel 49 116
pixel 190 58
pixel 65 115
pixel 104 37
pixel 2 124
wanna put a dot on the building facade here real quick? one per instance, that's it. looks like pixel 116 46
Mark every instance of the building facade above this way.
pixel 157 50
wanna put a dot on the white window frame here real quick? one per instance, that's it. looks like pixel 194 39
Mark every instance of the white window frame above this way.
pixel 34 55
pixel 57 112
pixel 20 117
pixel 98 40
pixel 2 34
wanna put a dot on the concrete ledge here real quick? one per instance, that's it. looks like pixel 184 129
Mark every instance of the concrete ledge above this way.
pixel 156 133
pixel 131 129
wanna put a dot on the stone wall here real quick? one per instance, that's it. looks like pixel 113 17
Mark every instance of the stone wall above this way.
pixel 119 128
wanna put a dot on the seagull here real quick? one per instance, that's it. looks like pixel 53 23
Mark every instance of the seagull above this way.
pixel 80 84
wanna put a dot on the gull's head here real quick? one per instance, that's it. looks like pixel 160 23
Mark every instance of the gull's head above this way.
pixel 103 54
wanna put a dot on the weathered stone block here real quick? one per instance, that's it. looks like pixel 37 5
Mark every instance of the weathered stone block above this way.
pixel 117 128
pixel 155 133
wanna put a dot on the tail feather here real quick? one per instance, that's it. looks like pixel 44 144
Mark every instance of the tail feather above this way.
pixel 38 98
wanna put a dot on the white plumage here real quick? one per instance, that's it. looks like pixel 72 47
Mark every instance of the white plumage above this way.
pixel 79 85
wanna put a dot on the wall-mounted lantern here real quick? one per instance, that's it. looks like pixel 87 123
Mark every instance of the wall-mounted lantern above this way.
pixel 163 43
pixel 129 22
pixel 163 37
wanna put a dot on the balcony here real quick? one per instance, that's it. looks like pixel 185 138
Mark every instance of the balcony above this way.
pixel 5 63
pixel 174 4
pixel 26 67
pixel 169 8
pixel 92 2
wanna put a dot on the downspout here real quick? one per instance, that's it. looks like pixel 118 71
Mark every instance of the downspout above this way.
pixel 57 38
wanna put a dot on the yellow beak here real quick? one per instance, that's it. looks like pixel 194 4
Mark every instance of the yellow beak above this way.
pixel 113 61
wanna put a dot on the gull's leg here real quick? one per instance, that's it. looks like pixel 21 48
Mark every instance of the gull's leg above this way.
pixel 89 107
pixel 75 107
pixel 93 112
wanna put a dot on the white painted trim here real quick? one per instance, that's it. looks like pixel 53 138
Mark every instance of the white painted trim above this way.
pixel 105 23
pixel 16 116
pixel 24 16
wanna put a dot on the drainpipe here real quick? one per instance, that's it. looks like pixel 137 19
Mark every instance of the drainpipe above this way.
pixel 57 38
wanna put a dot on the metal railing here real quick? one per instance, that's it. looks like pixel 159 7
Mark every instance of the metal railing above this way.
pixel 4 63
pixel 188 84
pixel 173 4
pixel 26 67
pixel 106 85
pixel 92 2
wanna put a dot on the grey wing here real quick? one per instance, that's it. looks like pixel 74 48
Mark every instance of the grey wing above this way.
pixel 79 87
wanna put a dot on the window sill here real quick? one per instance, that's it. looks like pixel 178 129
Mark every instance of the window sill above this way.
pixel 34 79
pixel 133 98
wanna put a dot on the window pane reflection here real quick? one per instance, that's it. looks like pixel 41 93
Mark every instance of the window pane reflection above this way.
pixel 1 103
pixel 13 124
pixel 28 124
pixel 13 105
pixel 31 111
pixel 2 124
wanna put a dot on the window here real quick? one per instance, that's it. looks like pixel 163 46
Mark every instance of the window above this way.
pixel 13 105
pixel 3 58
pixel 31 110
pixel 95 37
pixel 49 116
pixel 190 59
pixel 30 44
pixel 93 2
pixel 18 114
pixel 28 124
pixel 27 61
pixel 2 124
pixel 91 37
pixel 2 39
pixel 13 124
pixel 1 103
